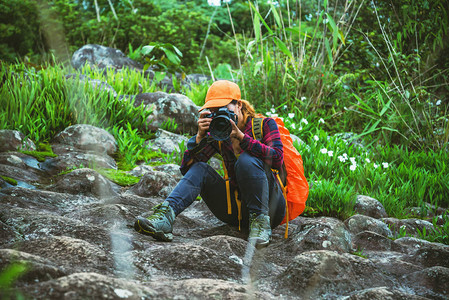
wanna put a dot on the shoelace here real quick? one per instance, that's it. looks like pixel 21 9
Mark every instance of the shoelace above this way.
pixel 159 212
pixel 257 225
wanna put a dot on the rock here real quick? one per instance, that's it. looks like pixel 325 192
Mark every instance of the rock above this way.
pixel 191 261
pixel 37 268
pixel 13 140
pixel 203 288
pixel 371 207
pixel 90 286
pixel 68 252
pixel 34 224
pixel 102 57
pixel 368 240
pixel 410 226
pixel 94 83
pixel 154 184
pixel 431 254
pixel 430 282
pixel 140 170
pixel 170 169
pixel 71 158
pixel 359 223
pixel 8 234
pixel 168 142
pixel 44 200
pixel 320 233
pixel 87 137
pixel 86 182
pixel 167 107
pixel 326 274
pixel 382 293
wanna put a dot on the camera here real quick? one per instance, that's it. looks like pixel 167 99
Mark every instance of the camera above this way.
pixel 220 127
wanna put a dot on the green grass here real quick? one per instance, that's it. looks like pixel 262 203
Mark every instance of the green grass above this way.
pixel 43 151
pixel 118 176
pixel 9 180
pixel 43 103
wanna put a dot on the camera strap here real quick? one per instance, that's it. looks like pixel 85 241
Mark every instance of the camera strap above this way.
pixel 228 191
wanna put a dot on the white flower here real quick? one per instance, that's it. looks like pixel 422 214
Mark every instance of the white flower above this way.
pixel 291 115
pixel 268 113
pixel 341 158
pixel 438 102
pixel 303 98
pixel 273 110
pixel 285 106
pixel 300 128
pixel 324 150
pixel 325 21
pixel 367 160
pixel 352 159
pixel 330 153
pixel 316 138
pixel 385 165
pixel 304 121
pixel 274 115
pixel 353 167
pixel 345 155
pixel 375 166
pixel 293 125
pixel 321 121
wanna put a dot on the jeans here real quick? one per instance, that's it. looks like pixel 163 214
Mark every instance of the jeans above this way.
pixel 258 188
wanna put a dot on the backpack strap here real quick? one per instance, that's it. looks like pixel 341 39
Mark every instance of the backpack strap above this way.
pixel 257 128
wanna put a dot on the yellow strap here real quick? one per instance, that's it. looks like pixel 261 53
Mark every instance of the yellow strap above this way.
pixel 239 206
pixel 252 127
pixel 284 191
pixel 228 188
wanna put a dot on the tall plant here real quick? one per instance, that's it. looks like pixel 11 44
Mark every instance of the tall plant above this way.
pixel 289 61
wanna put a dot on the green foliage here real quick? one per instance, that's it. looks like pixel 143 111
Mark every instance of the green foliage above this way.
pixel 118 176
pixel 169 125
pixel 164 56
pixel 440 234
pixel 44 151
pixel 8 276
pixel 9 180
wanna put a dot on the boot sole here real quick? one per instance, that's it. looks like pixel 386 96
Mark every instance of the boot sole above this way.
pixel 143 228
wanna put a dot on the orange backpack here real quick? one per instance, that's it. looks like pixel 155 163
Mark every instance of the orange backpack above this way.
pixel 296 189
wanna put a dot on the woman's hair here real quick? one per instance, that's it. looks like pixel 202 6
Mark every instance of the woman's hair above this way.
pixel 247 109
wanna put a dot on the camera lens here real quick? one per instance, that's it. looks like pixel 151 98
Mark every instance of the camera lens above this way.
pixel 220 128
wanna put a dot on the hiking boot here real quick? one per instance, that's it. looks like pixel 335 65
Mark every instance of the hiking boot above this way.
pixel 259 230
pixel 159 225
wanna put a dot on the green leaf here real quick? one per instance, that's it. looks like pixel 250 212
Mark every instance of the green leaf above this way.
pixel 147 49
pixel 276 16
pixel 256 12
pixel 283 47
pixel 329 51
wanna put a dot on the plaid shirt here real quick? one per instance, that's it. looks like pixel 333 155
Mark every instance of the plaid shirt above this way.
pixel 269 149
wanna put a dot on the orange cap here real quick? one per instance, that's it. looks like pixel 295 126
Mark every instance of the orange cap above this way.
pixel 221 93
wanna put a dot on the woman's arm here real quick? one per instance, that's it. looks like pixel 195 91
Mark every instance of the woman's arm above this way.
pixel 270 148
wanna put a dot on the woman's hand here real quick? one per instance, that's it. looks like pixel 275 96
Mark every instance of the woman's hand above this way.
pixel 236 133
pixel 203 125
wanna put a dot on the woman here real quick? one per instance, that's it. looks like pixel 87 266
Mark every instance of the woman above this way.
pixel 249 194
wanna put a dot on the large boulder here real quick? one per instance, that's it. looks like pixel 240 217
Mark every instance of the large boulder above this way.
pixel 13 140
pixel 371 207
pixel 169 107
pixel 102 57
pixel 87 137
pixel 86 182
pixel 154 184
pixel 167 142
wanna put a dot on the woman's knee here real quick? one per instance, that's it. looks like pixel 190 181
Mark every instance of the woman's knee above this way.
pixel 248 165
